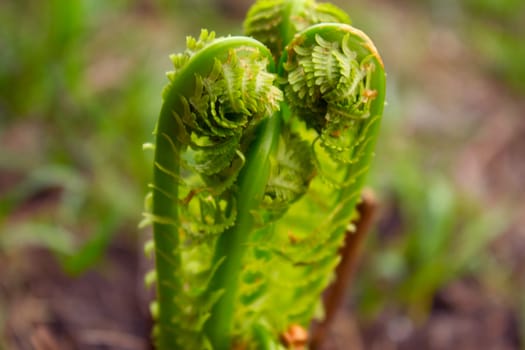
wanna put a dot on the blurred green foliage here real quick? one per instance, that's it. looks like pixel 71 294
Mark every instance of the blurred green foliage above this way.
pixel 79 84
pixel 430 234
pixel 70 84
pixel 432 231
pixel 497 28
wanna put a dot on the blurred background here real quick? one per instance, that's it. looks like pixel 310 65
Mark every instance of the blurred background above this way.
pixel 80 85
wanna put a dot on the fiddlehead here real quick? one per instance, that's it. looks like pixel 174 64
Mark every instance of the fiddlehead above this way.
pixel 275 22
pixel 331 87
pixel 218 95
pixel 334 86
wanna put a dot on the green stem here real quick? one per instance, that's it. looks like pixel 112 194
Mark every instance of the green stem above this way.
pixel 165 233
pixel 232 244
pixel 287 28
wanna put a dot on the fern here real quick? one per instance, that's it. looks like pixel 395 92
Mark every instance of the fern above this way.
pixel 262 148
pixel 275 22
pixel 212 107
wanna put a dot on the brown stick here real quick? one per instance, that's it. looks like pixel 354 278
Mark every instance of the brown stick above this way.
pixel 350 252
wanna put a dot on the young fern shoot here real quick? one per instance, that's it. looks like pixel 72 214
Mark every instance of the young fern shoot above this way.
pixel 218 95
pixel 261 150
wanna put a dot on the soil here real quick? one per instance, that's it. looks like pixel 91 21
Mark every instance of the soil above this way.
pixel 102 309
pixel 464 316
pixel 106 308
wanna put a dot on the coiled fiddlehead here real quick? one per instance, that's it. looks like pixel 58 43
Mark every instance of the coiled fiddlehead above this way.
pixel 335 85
pixel 334 77
pixel 216 102
pixel 275 22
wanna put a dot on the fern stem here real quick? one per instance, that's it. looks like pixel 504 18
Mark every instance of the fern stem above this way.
pixel 165 233
pixel 287 28
pixel 233 242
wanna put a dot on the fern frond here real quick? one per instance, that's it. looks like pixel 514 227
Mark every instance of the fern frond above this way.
pixel 263 22
pixel 214 216
pixel 216 97
pixel 291 173
pixel 335 89
pixel 275 22
pixel 193 46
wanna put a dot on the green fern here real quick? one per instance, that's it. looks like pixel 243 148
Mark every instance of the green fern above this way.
pixel 212 107
pixel 257 174
pixel 275 22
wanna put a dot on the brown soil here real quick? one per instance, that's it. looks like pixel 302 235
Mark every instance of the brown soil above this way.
pixel 102 309
pixel 107 309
